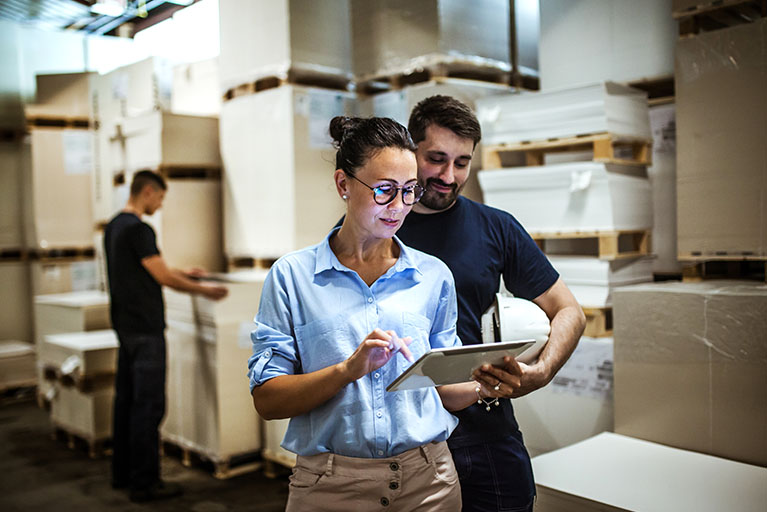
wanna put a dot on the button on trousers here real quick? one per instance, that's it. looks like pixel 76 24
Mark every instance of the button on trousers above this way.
pixel 422 479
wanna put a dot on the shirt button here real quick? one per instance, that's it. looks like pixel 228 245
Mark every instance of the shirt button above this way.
pixel 379 414
pixel 394 466
pixel 380 452
pixel 370 299
pixel 267 354
pixel 393 486
pixel 385 502
pixel 376 375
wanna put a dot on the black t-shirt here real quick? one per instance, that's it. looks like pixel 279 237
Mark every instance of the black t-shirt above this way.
pixel 136 298
pixel 480 244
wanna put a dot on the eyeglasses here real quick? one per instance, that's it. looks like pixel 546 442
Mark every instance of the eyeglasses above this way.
pixel 385 194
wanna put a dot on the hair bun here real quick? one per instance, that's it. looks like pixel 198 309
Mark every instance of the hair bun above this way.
pixel 341 127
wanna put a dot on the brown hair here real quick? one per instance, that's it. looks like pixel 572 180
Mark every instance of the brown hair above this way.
pixel 447 112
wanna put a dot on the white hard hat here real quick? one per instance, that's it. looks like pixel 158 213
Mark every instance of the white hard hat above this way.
pixel 512 318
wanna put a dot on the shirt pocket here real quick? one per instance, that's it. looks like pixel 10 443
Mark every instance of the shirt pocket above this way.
pixel 324 342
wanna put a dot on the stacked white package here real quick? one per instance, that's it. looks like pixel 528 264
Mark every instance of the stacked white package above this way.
pixel 274 433
pixel 80 369
pixel 17 364
pixel 196 89
pixel 401 36
pixel 598 108
pixel 210 410
pixel 577 196
pixel 307 35
pixel 576 405
pixel 611 472
pixel 592 280
pixel 279 165
pixel 63 275
pixel 12 172
pixel 16 313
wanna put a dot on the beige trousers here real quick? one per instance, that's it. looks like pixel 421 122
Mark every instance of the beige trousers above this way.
pixel 422 479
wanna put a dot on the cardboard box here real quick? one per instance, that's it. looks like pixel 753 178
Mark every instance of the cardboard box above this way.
pixel 399 103
pixel 88 415
pixel 12 170
pixel 578 196
pixel 567 112
pixel 160 139
pixel 691 366
pixel 188 226
pixel 576 405
pixel 662 176
pixel 196 89
pixel 17 364
pixel 15 296
pixel 71 312
pixel 307 35
pixel 722 126
pixel 209 407
pixel 624 41
pixel 62 95
pixel 279 193
pixel 611 472
pixel 57 193
pixel 63 275
pixel 592 280
pixel 81 354
pixel 394 36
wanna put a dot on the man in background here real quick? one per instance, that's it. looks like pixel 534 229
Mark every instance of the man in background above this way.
pixel 137 272
pixel 480 244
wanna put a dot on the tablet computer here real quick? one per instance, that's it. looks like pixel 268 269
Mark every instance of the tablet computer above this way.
pixel 455 364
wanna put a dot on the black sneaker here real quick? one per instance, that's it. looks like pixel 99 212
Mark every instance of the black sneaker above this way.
pixel 160 491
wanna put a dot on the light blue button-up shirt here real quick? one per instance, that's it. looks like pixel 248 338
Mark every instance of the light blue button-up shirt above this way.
pixel 314 312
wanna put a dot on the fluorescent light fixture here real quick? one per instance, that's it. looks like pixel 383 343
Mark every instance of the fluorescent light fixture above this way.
pixel 109 7
pixel 179 2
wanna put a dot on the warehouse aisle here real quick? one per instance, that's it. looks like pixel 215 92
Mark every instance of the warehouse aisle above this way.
pixel 38 473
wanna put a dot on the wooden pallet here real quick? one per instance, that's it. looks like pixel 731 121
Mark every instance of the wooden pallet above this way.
pixel 660 90
pixel 221 469
pixel 60 253
pixel 599 322
pixel 13 254
pixel 439 71
pixel 96 448
pixel 40 121
pixel 18 392
pixel 277 465
pixel 309 78
pixel 603 145
pixel 611 245
pixel 177 172
pixel 718 14
pixel 84 384
pixel 247 263
pixel 724 268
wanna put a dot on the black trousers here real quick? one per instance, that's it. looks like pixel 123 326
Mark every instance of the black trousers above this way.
pixel 139 407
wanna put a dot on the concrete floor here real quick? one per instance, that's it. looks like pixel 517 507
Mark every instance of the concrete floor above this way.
pixel 40 473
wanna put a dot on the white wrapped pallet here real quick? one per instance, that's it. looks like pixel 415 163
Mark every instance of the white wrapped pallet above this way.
pixel 17 364
pixel 16 313
pixel 311 36
pixel 62 95
pixel 568 112
pixel 209 408
pixel 63 275
pixel 196 89
pixel 57 190
pixel 71 312
pixel 395 36
pixel 12 170
pixel 86 414
pixel 576 405
pixel 611 473
pixel 279 193
pixel 80 355
pixel 572 197
pixel 592 280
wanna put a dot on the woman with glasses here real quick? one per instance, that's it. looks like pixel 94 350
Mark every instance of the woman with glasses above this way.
pixel 339 321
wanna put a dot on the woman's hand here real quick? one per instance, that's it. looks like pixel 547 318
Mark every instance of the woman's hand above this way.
pixel 376 350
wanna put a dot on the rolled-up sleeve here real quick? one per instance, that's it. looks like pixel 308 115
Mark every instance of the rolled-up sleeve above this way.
pixel 274 346
pixel 443 332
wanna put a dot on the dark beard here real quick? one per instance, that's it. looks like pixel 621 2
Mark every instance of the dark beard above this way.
pixel 438 200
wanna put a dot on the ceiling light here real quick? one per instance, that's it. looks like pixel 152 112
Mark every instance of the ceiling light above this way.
pixel 109 7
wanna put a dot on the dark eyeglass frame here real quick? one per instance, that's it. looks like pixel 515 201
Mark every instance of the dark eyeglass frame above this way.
pixel 378 192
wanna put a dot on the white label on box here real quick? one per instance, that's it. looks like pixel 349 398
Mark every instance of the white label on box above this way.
pixel 84 276
pixel 589 371
pixel 78 151
pixel 243 338
pixel 663 125
pixel 322 108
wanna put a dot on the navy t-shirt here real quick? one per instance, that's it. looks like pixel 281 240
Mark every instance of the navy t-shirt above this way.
pixel 135 297
pixel 480 244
